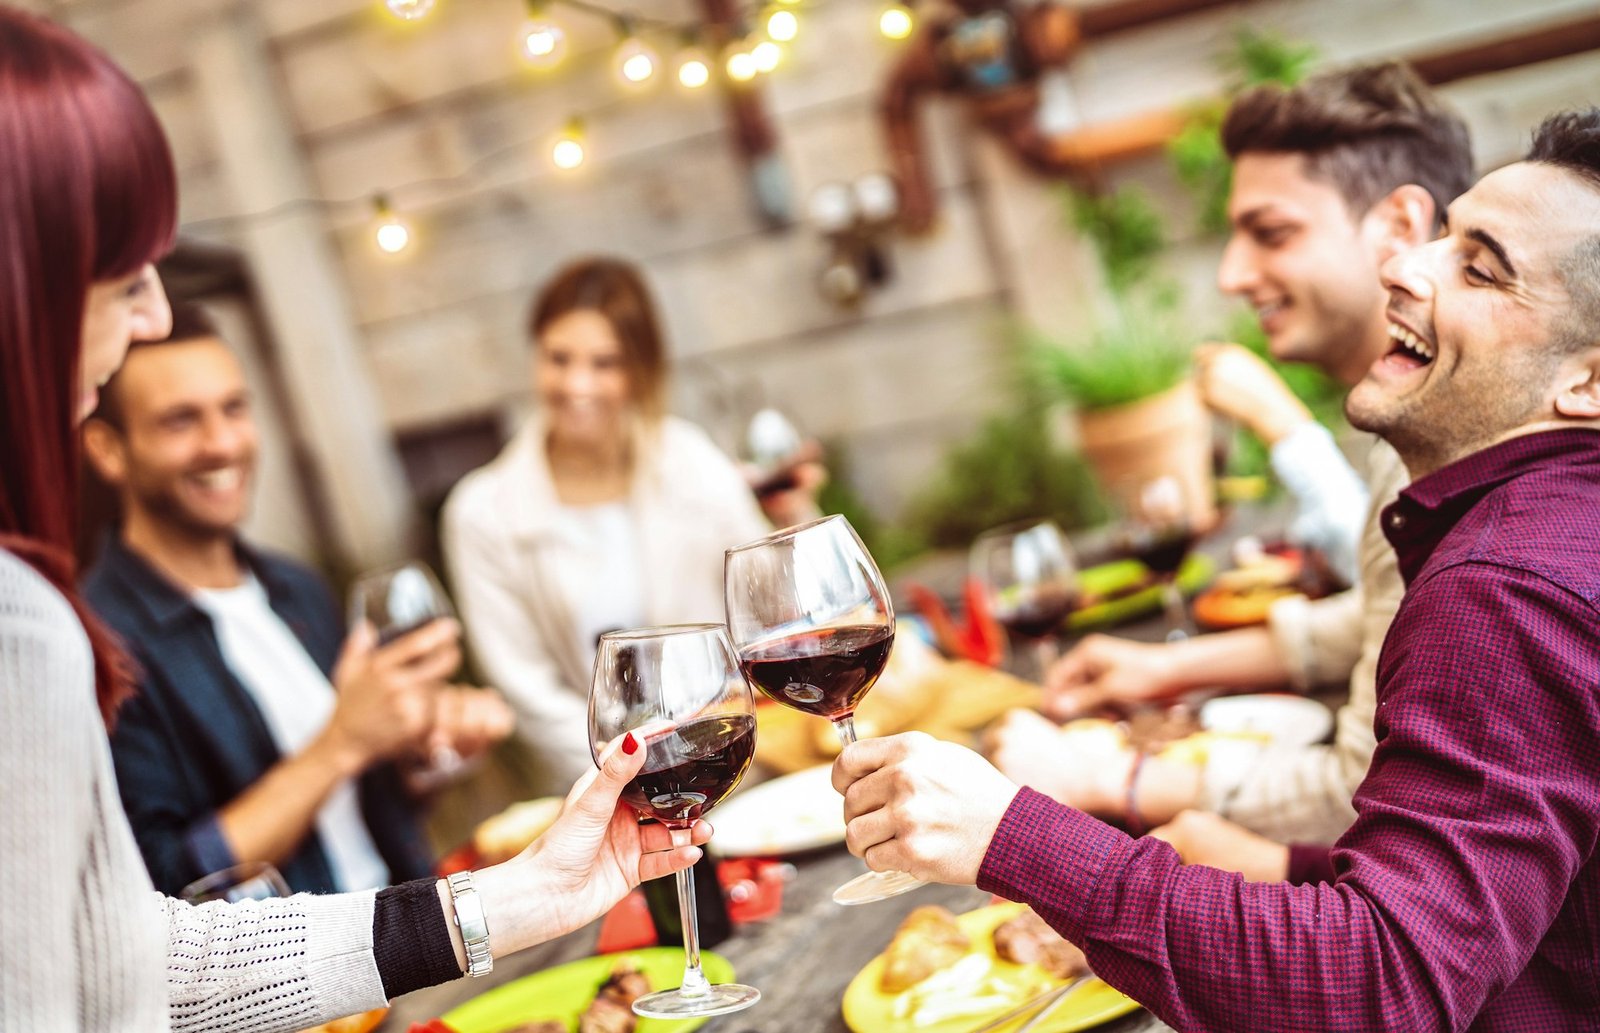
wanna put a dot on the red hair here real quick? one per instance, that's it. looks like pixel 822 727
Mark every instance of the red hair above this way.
pixel 87 193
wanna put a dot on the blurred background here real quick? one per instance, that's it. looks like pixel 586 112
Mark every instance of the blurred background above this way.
pixel 392 360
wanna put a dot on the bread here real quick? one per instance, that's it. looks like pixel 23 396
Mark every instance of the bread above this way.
pixel 505 835
pixel 1027 940
pixel 927 941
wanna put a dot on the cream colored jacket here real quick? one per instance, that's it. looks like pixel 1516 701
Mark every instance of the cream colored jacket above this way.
pixel 514 574
pixel 1304 794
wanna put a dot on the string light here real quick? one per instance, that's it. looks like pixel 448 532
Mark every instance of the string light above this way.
pixel 567 153
pixel 896 21
pixel 693 72
pixel 741 65
pixel 409 10
pixel 766 55
pixel 391 234
pixel 782 25
pixel 635 60
pixel 542 42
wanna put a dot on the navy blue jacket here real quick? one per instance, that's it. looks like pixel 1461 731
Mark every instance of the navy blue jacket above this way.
pixel 192 739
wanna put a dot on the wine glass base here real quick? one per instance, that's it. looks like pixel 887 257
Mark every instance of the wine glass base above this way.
pixel 875 886
pixel 718 999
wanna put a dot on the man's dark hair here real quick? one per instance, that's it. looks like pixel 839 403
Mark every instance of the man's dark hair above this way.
pixel 1364 130
pixel 190 322
pixel 1570 140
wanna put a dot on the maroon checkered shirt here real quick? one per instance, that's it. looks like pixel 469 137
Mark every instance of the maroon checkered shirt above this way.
pixel 1467 893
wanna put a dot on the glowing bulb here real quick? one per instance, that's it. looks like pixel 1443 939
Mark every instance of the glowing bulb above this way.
pixel 896 22
pixel 543 43
pixel 409 10
pixel 783 26
pixel 567 152
pixel 742 66
pixel 392 236
pixel 636 62
pixel 766 55
pixel 693 72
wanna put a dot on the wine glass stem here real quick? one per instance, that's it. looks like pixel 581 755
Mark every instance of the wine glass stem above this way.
pixel 1177 616
pixel 1045 653
pixel 846 727
pixel 694 980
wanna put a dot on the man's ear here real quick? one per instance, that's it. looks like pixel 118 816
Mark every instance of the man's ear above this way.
pixel 1402 220
pixel 106 451
pixel 1578 397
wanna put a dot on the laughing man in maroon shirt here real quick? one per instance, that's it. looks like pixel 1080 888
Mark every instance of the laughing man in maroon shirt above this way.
pixel 1467 893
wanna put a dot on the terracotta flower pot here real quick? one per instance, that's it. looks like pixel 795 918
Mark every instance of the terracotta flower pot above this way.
pixel 1169 433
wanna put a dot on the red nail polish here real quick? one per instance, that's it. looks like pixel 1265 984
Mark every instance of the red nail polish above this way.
pixel 630 745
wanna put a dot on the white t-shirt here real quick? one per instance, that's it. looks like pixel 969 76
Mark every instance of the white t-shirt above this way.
pixel 297 700
pixel 610 595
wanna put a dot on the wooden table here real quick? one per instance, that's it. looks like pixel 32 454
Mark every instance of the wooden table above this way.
pixel 801 960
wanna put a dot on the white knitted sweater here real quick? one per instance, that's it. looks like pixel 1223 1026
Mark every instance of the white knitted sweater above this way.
pixel 85 941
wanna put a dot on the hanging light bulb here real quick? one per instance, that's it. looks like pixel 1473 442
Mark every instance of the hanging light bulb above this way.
pixel 636 61
pixel 782 25
pixel 409 10
pixel 541 42
pixel 766 55
pixel 391 234
pixel 741 64
pixel 896 21
pixel 693 71
pixel 567 152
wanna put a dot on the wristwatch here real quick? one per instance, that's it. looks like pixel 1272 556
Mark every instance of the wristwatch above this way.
pixel 469 919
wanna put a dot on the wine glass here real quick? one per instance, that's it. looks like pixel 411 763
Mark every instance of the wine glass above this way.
pixel 1030 575
pixel 397 600
pixel 770 447
pixel 678 690
pixel 811 619
pixel 1158 529
pixel 248 880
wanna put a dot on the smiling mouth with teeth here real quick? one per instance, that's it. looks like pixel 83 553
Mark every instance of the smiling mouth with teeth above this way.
pixel 1409 345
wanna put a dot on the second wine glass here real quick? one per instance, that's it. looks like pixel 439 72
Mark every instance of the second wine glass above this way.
pixel 1030 575
pixel 679 691
pixel 812 622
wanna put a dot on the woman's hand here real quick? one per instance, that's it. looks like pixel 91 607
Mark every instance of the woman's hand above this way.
pixel 594 854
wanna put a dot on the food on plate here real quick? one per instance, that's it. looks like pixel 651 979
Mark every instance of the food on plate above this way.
pixel 1093 735
pixel 1221 608
pixel 504 836
pixel 1027 940
pixel 352 1023
pixel 1152 729
pixel 544 1026
pixel 928 940
pixel 611 1011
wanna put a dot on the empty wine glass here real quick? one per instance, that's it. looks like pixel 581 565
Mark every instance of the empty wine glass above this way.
pixel 396 601
pixel 812 622
pixel 1157 528
pixel 679 691
pixel 1029 574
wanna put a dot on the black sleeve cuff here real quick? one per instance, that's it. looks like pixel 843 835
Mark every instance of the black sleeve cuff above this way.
pixel 410 940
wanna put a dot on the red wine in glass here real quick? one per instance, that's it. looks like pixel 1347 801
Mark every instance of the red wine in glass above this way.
pixel 1162 552
pixel 691 767
pixel 824 672
pixel 1040 614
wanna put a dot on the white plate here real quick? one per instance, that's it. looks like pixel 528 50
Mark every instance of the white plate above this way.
pixel 1288 720
pixel 784 816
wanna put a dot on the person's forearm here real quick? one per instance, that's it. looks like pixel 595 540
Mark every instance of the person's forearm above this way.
pixel 1248 658
pixel 270 819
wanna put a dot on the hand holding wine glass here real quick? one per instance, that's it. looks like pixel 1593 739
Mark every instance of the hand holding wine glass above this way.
pixel 678 693
pixel 1030 575
pixel 811 618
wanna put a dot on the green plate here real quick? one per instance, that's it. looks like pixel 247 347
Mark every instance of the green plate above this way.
pixel 565 991
pixel 1195 574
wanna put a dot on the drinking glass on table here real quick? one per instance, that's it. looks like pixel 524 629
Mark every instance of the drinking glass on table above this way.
pixel 1030 575
pixel 812 622
pixel 248 880
pixel 396 601
pixel 1157 528
pixel 679 691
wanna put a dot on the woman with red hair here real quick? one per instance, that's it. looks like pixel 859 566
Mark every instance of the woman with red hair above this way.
pixel 87 203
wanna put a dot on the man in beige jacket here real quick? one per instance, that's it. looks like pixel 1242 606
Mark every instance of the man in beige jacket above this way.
pixel 1310 230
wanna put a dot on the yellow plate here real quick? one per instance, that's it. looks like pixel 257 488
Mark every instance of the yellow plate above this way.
pixel 868 1009
pixel 565 991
